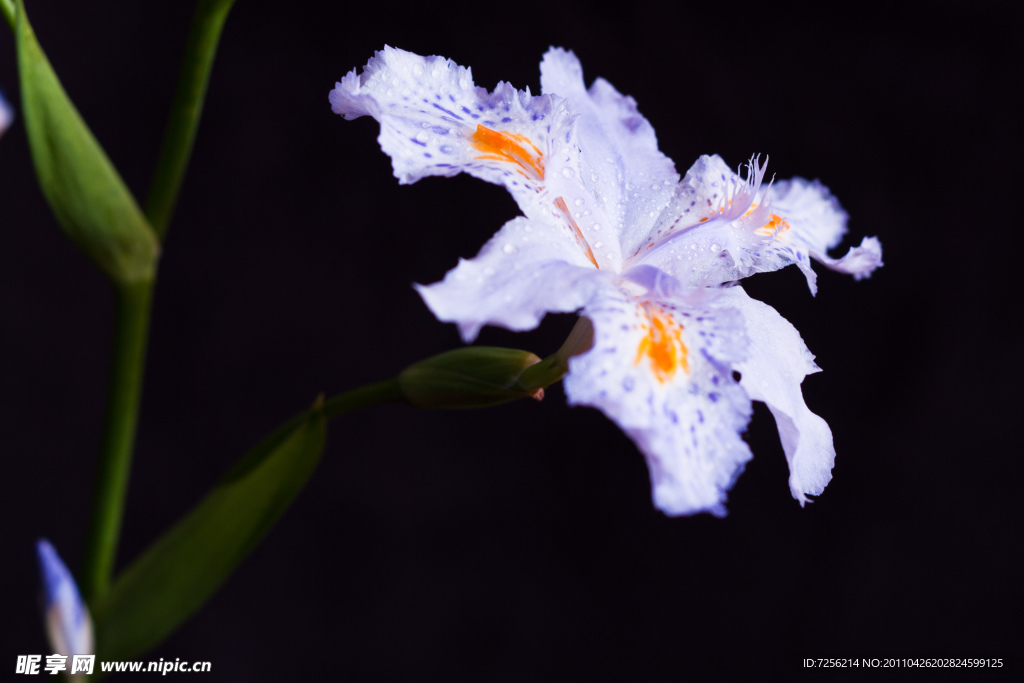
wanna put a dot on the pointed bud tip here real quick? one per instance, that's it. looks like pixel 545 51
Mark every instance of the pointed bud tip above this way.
pixel 6 114
pixel 65 615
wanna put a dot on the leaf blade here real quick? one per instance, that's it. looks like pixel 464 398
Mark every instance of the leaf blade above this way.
pixel 84 190
pixel 174 577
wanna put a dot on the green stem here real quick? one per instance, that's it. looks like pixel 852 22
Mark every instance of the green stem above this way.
pixel 188 106
pixel 553 368
pixel 382 392
pixel 131 326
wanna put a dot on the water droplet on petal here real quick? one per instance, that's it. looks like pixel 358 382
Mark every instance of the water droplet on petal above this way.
pixel 597 226
pixel 509 248
pixel 578 202
pixel 715 248
pixel 568 172
pixel 422 137
pixel 598 245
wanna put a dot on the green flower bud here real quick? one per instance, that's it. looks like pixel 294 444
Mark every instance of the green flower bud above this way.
pixel 471 377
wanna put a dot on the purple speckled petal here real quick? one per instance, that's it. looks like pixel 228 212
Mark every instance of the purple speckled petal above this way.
pixel 435 121
pixel 627 181
pixel 661 369
pixel 722 227
pixel 525 271
pixel 776 364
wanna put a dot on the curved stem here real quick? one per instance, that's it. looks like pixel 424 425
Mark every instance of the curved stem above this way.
pixel 387 391
pixel 131 326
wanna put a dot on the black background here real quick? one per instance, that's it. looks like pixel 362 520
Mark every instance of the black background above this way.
pixel 519 543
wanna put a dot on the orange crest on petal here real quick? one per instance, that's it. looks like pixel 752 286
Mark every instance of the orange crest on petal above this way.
pixel 511 148
pixel 662 343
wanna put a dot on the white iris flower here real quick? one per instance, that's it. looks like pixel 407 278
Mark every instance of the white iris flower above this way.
pixel 610 229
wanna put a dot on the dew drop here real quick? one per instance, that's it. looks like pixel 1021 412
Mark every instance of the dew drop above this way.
pixel 598 245
pixel 509 248
pixel 715 248
pixel 422 137
pixel 597 226
pixel 417 71
pixel 568 172
pixel 578 202
pixel 463 83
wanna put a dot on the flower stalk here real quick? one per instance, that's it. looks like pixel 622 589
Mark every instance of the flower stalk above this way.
pixel 131 329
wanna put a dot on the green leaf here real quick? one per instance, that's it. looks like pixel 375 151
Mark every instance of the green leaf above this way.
pixel 87 195
pixel 188 106
pixel 183 568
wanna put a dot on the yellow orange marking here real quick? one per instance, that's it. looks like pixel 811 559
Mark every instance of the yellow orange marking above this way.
pixel 776 224
pixel 662 344
pixel 509 147
pixel 576 232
